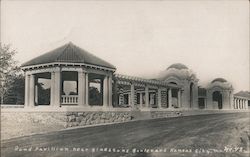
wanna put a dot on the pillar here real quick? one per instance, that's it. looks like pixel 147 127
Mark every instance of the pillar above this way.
pixel 247 104
pixel 234 106
pixel 52 89
pixel 57 86
pixel 81 88
pixel 121 97
pixel 141 100
pixel 110 91
pixel 231 100
pixel 226 100
pixel 105 91
pixel 147 97
pixel 132 97
pixel 87 89
pixel 179 98
pixel 238 103
pixel 36 94
pixel 170 98
pixel 32 91
pixel 55 93
pixel 115 101
pixel 27 80
pixel 159 98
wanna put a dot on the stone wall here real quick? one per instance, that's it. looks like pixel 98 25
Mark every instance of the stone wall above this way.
pixel 164 114
pixel 16 122
pixel 90 118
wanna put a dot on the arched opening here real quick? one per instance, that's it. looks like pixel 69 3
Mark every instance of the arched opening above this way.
pixel 175 98
pixel 191 93
pixel 217 98
pixel 173 83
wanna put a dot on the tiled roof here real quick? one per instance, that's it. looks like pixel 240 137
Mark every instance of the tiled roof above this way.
pixel 245 94
pixel 69 53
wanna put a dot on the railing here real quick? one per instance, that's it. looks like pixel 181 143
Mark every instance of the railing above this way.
pixel 69 99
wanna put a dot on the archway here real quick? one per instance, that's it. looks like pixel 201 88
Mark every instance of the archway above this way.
pixel 217 97
pixel 191 94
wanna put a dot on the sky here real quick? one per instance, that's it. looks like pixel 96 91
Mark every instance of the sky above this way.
pixel 141 38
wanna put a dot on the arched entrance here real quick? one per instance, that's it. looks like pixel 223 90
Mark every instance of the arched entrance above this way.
pixel 191 93
pixel 217 97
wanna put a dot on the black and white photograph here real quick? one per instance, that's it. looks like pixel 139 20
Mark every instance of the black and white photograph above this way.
pixel 135 78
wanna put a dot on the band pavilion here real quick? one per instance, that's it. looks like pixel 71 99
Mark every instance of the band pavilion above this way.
pixel 97 86
pixel 71 63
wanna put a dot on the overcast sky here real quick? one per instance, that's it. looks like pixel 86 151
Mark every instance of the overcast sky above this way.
pixel 141 38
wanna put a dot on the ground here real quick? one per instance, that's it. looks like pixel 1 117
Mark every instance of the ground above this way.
pixel 203 135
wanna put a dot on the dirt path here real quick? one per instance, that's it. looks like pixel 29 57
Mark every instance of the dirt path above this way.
pixel 208 133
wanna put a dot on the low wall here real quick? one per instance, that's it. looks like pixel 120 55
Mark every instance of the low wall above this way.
pixel 17 122
pixel 90 118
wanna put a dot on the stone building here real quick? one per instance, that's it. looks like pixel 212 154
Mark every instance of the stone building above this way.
pixel 96 85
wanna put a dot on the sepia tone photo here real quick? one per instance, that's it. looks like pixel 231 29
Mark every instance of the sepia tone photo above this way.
pixel 138 78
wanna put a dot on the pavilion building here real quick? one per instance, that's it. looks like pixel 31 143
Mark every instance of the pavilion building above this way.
pixel 97 85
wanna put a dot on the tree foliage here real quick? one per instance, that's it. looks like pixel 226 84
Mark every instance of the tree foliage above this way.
pixel 11 78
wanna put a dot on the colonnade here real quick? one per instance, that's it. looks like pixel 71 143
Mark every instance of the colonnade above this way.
pixel 159 97
pixel 240 103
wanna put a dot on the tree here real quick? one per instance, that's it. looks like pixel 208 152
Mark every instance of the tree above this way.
pixel 9 70
pixel 15 91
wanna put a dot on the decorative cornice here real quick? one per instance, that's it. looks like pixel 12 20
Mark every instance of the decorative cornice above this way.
pixel 55 64
pixel 127 80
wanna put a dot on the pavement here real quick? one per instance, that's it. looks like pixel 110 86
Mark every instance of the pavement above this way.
pixel 224 134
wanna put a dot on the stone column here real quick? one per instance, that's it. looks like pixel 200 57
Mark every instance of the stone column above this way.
pixel 170 98
pixel 81 88
pixel 226 100
pixel 36 94
pixel 147 97
pixel 105 91
pixel 115 101
pixel 121 97
pixel 238 103
pixel 110 91
pixel 247 104
pixel 87 89
pixel 231 100
pixel 179 98
pixel 234 103
pixel 27 81
pixel 159 98
pixel 132 97
pixel 32 91
pixel 52 89
pixel 210 99
pixel 57 86
pixel 141 100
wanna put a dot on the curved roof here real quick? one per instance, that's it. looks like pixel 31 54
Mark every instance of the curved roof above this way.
pixel 219 80
pixel 69 53
pixel 178 66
